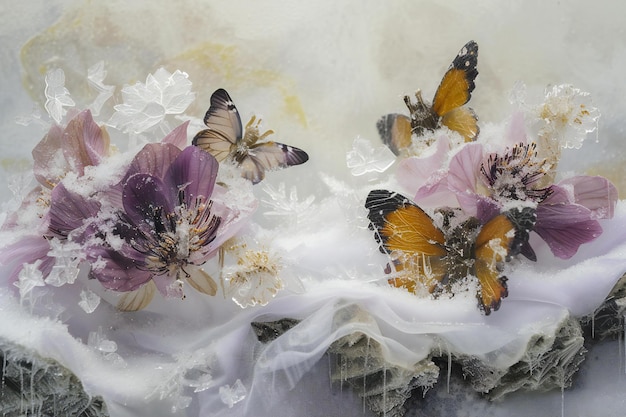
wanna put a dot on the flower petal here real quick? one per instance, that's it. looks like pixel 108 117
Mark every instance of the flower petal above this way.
pixel 178 136
pixel 115 271
pixel 564 227
pixel 153 159
pixel 414 172
pixel 435 193
pixel 148 202
pixel 84 142
pixel 50 165
pixel 595 193
pixel 516 130
pixel 68 211
pixel 195 171
pixel 464 168
pixel 26 251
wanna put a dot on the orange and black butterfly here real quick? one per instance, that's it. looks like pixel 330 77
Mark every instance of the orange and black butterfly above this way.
pixel 431 258
pixel 225 139
pixel 447 108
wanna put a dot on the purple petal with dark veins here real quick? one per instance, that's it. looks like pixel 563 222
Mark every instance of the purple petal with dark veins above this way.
pixel 118 273
pixel 564 227
pixel 595 193
pixel 195 171
pixel 69 211
pixel 153 159
pixel 148 202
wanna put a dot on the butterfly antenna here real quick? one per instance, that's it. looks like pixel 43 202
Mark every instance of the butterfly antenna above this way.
pixel 418 106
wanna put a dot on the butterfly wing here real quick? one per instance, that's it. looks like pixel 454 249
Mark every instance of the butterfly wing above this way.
pixel 224 127
pixel 408 235
pixel 395 131
pixel 462 120
pixel 269 156
pixel 457 84
pixel 499 239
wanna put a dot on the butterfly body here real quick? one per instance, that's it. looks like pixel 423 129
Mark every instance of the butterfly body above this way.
pixel 447 109
pixel 434 255
pixel 226 140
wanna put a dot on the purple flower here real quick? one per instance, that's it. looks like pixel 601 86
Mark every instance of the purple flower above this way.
pixel 169 224
pixel 567 212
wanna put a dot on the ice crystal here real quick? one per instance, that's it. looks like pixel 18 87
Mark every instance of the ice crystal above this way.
pixel 95 76
pixel 35 117
pixel 65 269
pixel 106 347
pixel 30 277
pixel 57 96
pixel 232 395
pixel 146 105
pixel 89 301
pixel 364 158
pixel 191 370
pixel 285 205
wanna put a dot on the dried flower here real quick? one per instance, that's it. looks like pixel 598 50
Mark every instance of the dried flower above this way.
pixel 255 278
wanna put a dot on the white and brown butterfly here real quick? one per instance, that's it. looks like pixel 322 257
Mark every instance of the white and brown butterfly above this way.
pixel 226 140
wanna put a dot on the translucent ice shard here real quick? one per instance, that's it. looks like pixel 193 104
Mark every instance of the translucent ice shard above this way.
pixel 364 158
pixel 97 341
pixel 30 277
pixel 65 269
pixel 95 77
pixel 283 204
pixel 57 96
pixel 89 301
pixel 232 395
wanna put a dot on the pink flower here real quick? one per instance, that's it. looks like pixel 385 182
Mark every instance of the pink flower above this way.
pixel 567 212
pixel 82 143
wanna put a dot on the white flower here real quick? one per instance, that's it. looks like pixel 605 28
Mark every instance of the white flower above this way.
pixel 254 279
pixel 57 96
pixel 146 105
pixel 567 116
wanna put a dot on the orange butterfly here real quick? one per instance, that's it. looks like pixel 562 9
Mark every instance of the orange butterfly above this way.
pixel 426 256
pixel 225 139
pixel 453 92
